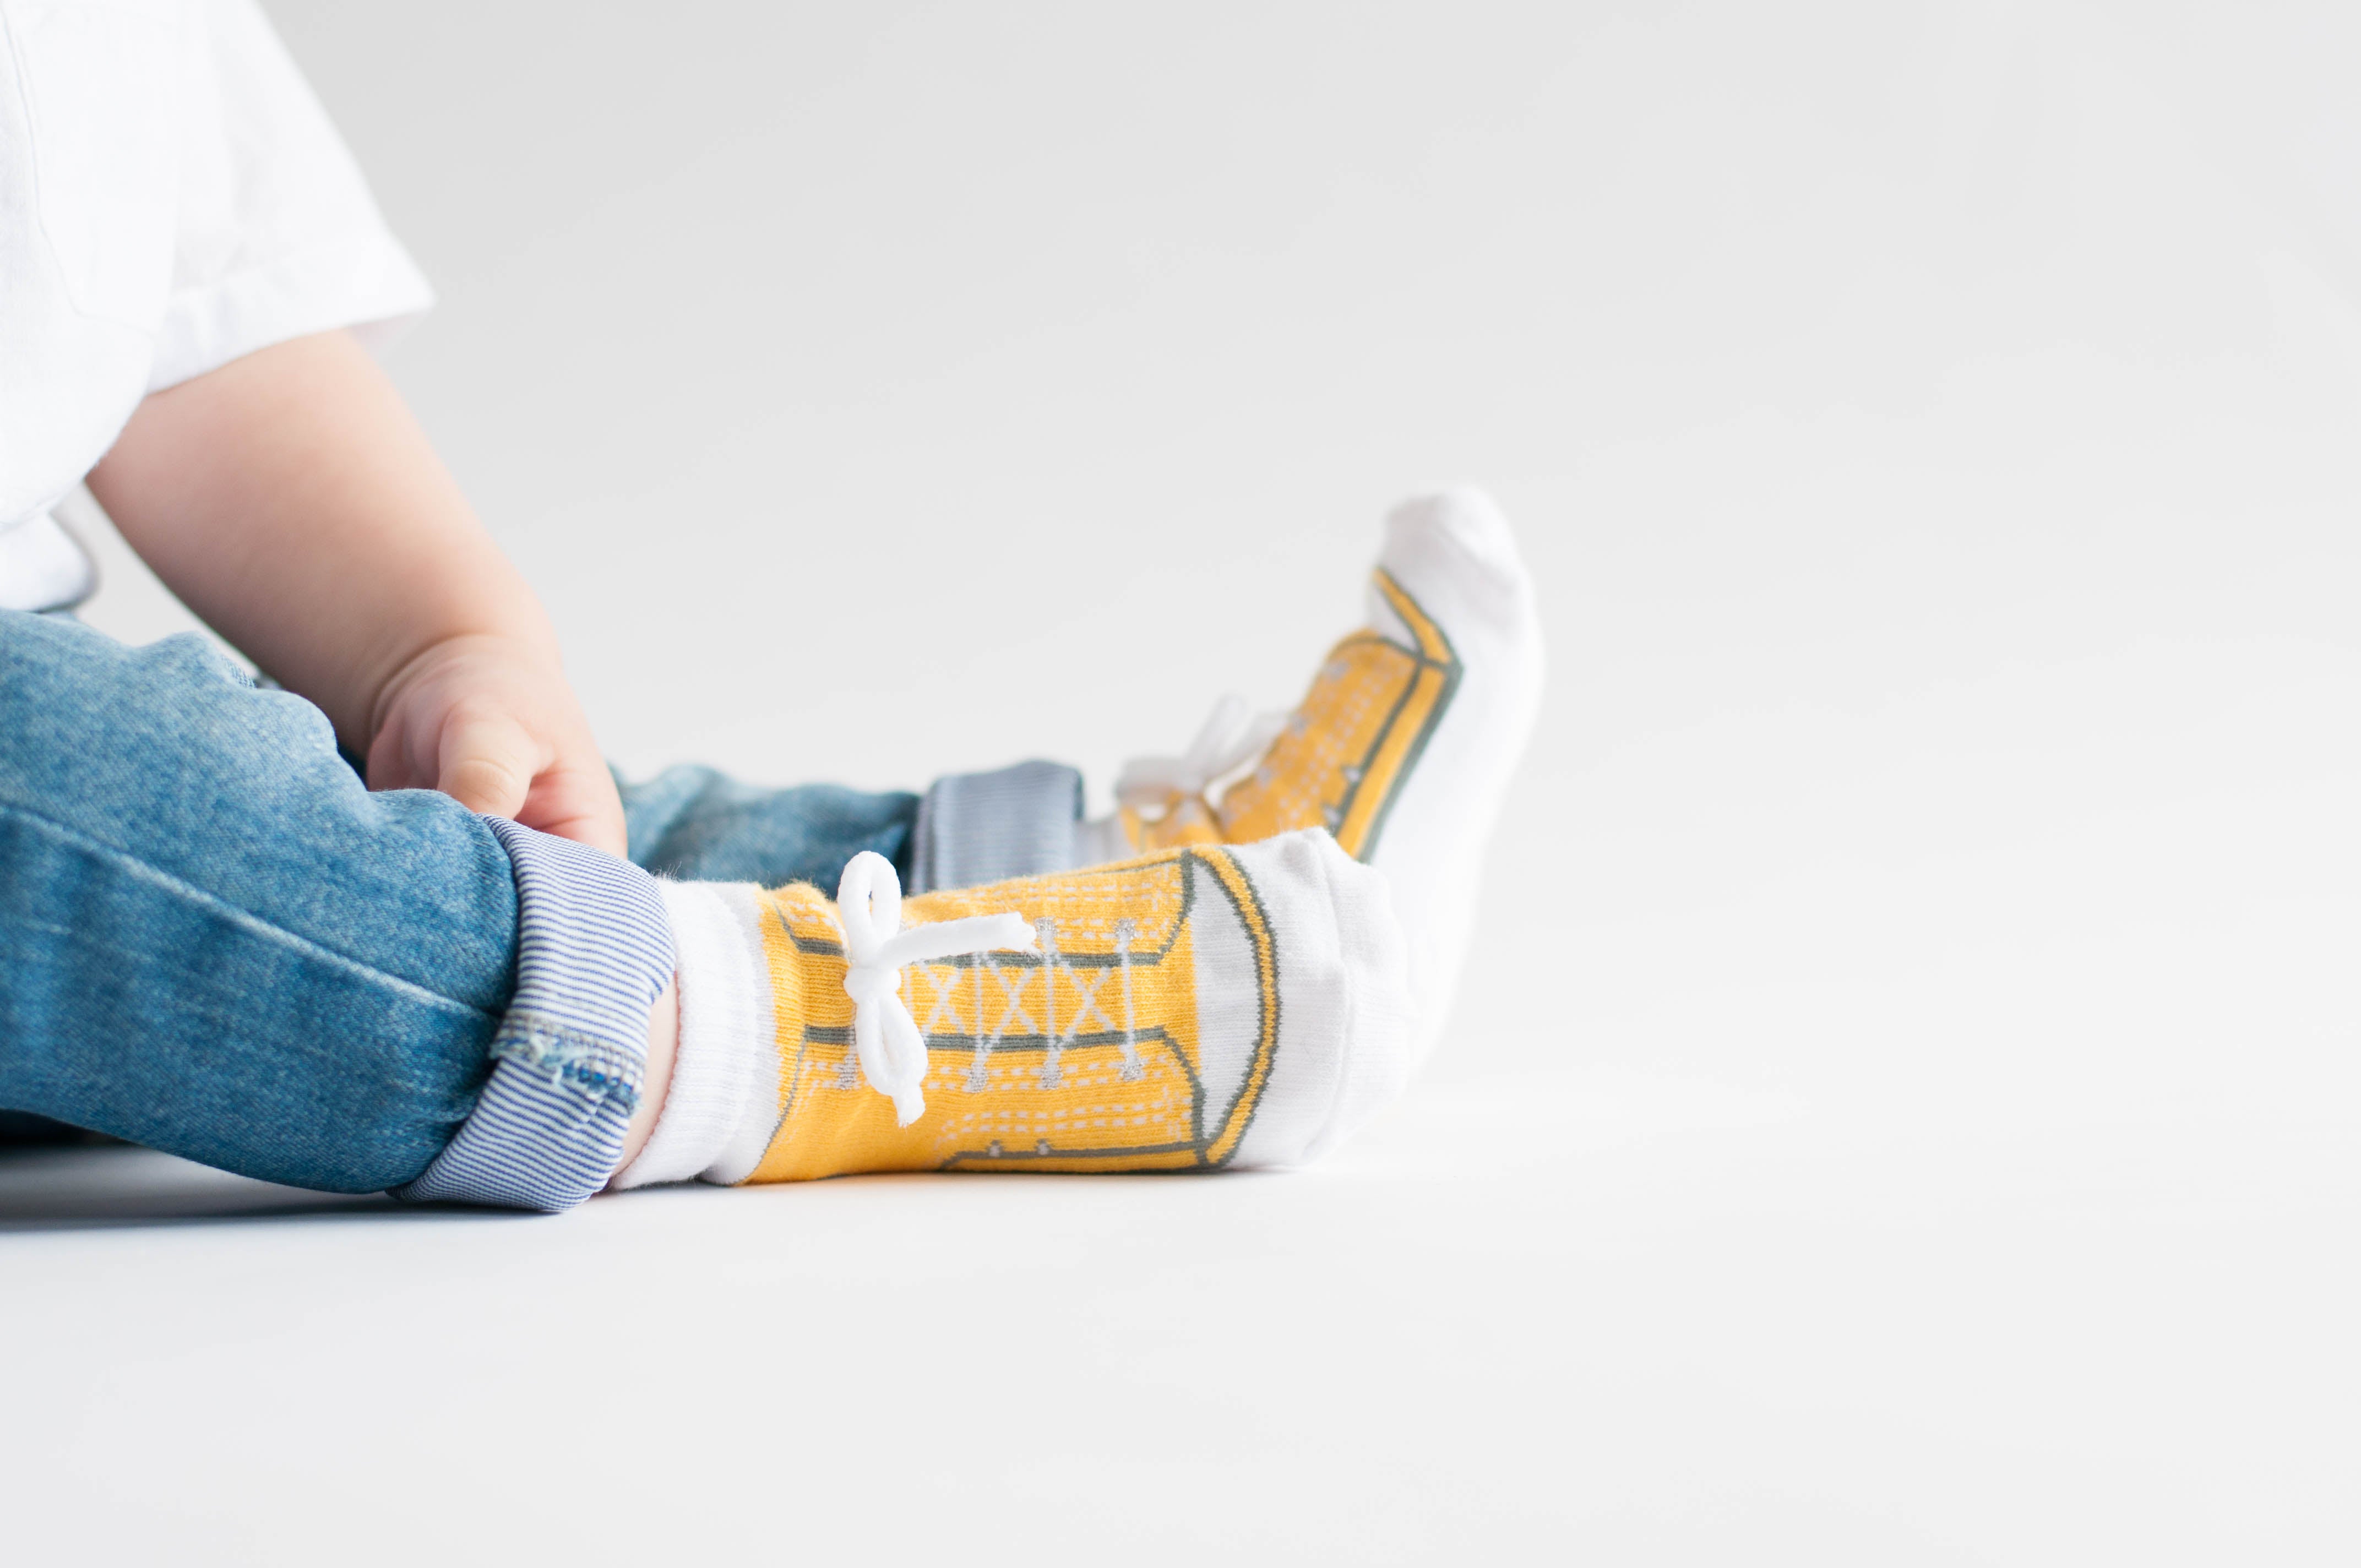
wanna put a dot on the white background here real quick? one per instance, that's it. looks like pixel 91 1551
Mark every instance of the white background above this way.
pixel 1903 1104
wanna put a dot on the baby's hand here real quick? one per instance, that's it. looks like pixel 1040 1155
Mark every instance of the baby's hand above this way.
pixel 491 722
pixel 291 502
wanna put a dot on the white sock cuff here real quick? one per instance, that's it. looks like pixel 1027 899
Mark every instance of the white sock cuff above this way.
pixel 725 1064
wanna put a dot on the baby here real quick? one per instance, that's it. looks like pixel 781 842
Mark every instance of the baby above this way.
pixel 489 974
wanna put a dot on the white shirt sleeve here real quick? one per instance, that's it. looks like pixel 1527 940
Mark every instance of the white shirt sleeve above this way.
pixel 277 235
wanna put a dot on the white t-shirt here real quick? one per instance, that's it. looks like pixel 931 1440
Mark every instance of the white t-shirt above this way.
pixel 171 196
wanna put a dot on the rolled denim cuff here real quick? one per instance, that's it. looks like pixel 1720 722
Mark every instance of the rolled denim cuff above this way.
pixel 974 828
pixel 594 949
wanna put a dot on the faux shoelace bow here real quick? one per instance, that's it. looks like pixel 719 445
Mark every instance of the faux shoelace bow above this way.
pixel 877 948
pixel 1235 736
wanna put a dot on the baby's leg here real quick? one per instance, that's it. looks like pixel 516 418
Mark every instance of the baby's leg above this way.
pixel 213 941
pixel 216 942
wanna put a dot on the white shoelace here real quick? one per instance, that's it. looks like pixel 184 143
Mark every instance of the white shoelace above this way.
pixel 877 948
pixel 1235 736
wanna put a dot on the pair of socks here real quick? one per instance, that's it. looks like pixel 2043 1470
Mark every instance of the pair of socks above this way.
pixel 1248 981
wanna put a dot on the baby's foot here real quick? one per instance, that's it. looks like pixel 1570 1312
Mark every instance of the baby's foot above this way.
pixel 1403 747
pixel 1196 1008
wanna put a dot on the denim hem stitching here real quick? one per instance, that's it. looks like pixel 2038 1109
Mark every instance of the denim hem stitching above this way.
pixel 569 1054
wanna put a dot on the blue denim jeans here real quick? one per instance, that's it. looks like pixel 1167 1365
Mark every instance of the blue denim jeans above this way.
pixel 215 941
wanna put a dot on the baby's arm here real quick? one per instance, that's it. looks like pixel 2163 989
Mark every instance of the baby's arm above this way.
pixel 291 501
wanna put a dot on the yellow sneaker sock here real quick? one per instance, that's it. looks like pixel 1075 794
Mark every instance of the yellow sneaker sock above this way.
pixel 1189 1010
pixel 1403 747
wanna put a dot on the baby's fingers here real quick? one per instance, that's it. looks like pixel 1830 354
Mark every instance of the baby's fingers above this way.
pixel 488 763
pixel 577 803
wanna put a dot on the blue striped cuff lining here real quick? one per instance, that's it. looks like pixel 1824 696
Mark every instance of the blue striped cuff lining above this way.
pixel 594 948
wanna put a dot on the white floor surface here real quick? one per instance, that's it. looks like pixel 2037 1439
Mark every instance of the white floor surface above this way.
pixel 1538 1317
